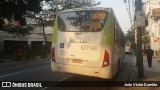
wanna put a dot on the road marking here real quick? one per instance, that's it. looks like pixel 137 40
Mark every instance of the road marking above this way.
pixel 44 88
pixel 10 74
pixel 57 82
pixel 65 78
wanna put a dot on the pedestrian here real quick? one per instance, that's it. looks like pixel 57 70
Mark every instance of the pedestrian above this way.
pixel 150 54
pixel 18 53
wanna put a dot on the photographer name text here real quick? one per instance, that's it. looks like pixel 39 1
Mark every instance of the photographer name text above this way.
pixel 140 85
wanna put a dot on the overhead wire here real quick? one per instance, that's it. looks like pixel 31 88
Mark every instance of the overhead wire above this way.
pixel 130 14
pixel 128 10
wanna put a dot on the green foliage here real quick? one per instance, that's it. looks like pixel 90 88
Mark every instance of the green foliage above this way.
pixel 145 37
pixel 17 8
pixel 130 35
pixel 58 5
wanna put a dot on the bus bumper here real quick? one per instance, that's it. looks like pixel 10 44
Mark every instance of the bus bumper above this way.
pixel 105 72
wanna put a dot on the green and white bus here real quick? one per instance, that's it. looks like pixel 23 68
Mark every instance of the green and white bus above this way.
pixel 128 48
pixel 87 41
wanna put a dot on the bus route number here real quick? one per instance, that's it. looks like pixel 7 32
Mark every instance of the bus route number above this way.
pixel 95 25
pixel 98 16
pixel 89 47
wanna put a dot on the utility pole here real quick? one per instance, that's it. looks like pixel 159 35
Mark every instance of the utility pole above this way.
pixel 139 24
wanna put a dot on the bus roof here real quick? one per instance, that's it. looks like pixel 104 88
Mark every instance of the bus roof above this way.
pixel 86 8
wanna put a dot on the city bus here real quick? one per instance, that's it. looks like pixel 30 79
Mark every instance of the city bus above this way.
pixel 128 48
pixel 87 41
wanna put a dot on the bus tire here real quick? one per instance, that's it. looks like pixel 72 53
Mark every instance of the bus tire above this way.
pixel 118 67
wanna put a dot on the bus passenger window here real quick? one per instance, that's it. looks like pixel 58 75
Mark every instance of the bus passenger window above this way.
pixel 86 20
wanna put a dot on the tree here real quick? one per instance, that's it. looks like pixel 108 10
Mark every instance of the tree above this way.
pixel 17 8
pixel 145 38
pixel 47 15
pixel 130 37
pixel 58 5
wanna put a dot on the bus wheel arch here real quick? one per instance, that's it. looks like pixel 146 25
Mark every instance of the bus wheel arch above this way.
pixel 118 68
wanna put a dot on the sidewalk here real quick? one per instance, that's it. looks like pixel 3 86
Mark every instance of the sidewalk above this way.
pixel 16 65
pixel 150 74
pixel 12 60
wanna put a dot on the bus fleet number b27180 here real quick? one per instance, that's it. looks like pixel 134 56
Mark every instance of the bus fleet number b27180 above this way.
pixel 87 41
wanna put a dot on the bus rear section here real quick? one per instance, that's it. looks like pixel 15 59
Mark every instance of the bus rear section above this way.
pixel 78 46
pixel 128 48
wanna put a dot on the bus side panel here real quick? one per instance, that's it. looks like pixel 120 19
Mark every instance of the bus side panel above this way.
pixel 108 42
pixel 94 72
pixel 118 50
pixel 54 41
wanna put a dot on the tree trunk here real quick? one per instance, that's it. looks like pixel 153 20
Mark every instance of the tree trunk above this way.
pixel 44 35
pixel 44 52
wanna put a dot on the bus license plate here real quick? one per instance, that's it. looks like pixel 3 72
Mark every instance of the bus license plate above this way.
pixel 77 61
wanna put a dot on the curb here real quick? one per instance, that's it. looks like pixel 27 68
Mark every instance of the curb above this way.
pixel 22 64
pixel 12 61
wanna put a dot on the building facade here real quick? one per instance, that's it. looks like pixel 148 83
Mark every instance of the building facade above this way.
pixel 153 15
pixel 35 40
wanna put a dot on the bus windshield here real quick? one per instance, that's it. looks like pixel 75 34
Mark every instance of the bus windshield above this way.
pixel 84 21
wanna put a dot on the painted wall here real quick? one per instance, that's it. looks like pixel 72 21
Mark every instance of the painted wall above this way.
pixel 153 24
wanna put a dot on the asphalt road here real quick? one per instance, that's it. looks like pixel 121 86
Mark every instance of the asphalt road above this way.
pixel 123 75
pixel 35 70
pixel 39 70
